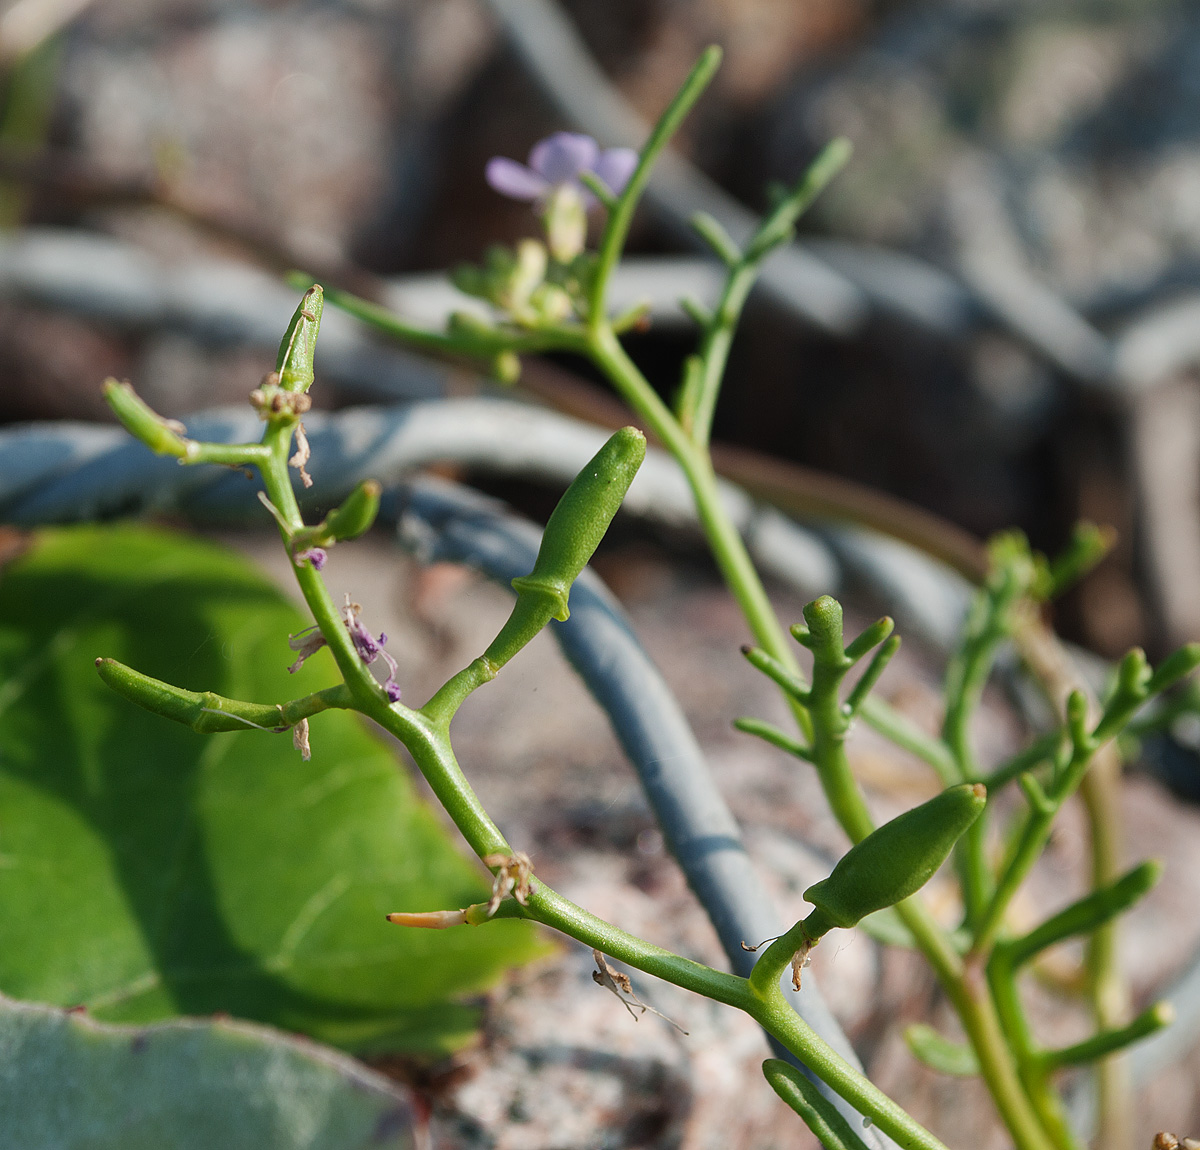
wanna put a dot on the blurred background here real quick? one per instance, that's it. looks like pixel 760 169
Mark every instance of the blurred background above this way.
pixel 996 316
pixel 1036 164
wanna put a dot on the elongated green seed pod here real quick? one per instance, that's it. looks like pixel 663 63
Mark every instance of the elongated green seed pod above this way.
pixel 581 518
pixel 895 861
pixel 356 514
pixel 297 350
pixel 143 422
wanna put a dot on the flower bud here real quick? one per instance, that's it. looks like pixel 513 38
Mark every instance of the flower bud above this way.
pixel 582 517
pixel 525 275
pixel 294 364
pixel 506 367
pixel 895 861
pixel 565 221
pixel 356 514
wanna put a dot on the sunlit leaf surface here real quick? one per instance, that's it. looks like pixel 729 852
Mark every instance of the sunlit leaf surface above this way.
pixel 147 871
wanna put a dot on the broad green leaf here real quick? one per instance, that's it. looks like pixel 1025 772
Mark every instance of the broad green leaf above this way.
pixel 147 871
pixel 939 1053
pixel 70 1083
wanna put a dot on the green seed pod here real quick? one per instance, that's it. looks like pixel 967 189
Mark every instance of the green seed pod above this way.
pixel 209 713
pixel 356 514
pixel 294 364
pixel 582 517
pixel 895 861
pixel 162 436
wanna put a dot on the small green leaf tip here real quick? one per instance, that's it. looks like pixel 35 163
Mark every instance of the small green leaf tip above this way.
pixel 294 364
pixel 162 436
pixel 582 517
pixel 939 1053
pixel 828 1124
pixel 894 861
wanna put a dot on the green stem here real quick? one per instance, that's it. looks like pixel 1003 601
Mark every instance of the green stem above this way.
pixel 1002 977
pixel 974 1006
pixel 726 544
pixel 1109 992
pixel 620 217
pixel 715 347
pixel 367 693
pixel 1106 1043
pixel 905 734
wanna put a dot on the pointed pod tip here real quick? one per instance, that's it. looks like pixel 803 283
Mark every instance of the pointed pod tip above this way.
pixel 979 791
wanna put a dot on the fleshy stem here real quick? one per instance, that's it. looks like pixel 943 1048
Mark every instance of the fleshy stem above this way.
pixel 426 735
pixel 1108 990
pixel 971 999
pixel 820 716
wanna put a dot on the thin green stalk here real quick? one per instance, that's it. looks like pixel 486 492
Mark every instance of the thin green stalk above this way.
pixel 775 1015
pixel 905 734
pixel 744 268
pixel 1002 977
pixel 1040 751
pixel 726 544
pixel 1107 987
pixel 1100 1046
pixel 620 217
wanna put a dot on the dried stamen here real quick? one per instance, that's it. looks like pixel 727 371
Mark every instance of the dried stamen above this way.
pixel 619 984
pixel 513 877
pixel 302 456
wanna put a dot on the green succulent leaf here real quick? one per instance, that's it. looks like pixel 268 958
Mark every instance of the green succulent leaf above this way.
pixel 148 871
pixel 939 1053
pixel 68 1082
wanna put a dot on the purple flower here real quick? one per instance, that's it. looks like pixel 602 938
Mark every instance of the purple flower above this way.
pixel 558 160
pixel 315 555
pixel 369 648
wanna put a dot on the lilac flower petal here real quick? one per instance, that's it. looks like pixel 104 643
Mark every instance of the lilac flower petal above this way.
pixel 558 159
pixel 615 166
pixel 315 555
pixel 514 180
pixel 390 687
